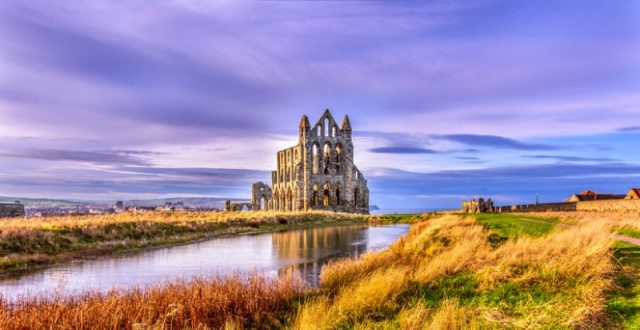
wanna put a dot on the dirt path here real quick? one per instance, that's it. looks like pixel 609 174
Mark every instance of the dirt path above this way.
pixel 627 239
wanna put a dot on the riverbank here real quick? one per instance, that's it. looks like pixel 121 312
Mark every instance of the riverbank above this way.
pixel 28 244
pixel 447 273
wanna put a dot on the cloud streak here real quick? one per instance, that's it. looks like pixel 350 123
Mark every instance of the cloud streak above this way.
pixel 402 150
pixel 109 157
pixel 494 141
pixel 571 158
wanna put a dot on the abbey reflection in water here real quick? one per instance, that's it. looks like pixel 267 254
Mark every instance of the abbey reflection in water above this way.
pixel 306 251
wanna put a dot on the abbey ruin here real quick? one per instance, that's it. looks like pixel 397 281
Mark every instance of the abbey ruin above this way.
pixel 317 173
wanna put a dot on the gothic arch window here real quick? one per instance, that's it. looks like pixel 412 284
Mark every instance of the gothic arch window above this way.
pixel 325 126
pixel 356 197
pixel 338 195
pixel 334 131
pixel 263 203
pixel 339 158
pixel 316 195
pixel 319 130
pixel 316 158
pixel 326 196
pixel 327 157
pixel 289 200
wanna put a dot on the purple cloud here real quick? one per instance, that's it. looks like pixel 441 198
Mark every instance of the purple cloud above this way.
pixel 226 82
pixel 402 150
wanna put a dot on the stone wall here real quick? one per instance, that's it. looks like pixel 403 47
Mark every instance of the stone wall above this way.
pixel 603 205
pixel 546 207
pixel 610 205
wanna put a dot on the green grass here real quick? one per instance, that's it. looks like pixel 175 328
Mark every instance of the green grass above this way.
pixel 627 232
pixel 399 218
pixel 513 226
pixel 624 304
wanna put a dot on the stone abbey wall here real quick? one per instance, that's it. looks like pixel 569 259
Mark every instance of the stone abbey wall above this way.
pixel 317 173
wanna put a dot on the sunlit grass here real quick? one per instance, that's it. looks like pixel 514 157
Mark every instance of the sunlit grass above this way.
pixel 203 303
pixel 33 241
pixel 447 272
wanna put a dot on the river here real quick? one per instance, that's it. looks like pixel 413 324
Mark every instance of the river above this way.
pixel 303 250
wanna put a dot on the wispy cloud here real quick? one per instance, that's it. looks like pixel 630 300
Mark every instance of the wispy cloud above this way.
pixel 109 157
pixel 402 150
pixel 494 141
pixel 571 158
pixel 629 129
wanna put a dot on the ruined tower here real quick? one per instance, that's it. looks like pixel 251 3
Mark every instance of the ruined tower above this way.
pixel 317 173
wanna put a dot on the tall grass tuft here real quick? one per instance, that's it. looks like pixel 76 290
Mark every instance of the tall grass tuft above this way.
pixel 231 302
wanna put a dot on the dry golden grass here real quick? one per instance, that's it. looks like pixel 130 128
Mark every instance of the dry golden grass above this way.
pixel 626 219
pixel 24 242
pixel 9 224
pixel 215 303
pixel 445 275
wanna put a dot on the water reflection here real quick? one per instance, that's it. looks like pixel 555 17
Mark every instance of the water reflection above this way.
pixel 304 251
pixel 307 250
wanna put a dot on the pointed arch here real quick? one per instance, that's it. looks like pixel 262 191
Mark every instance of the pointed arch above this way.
pixel 326 127
pixel 338 195
pixel 339 157
pixel 326 155
pixel 315 197
pixel 315 154
pixel 326 195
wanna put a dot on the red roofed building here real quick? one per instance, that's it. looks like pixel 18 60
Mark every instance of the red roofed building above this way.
pixel 589 195
pixel 634 193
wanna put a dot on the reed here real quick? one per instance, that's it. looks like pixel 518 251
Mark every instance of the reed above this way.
pixel 203 303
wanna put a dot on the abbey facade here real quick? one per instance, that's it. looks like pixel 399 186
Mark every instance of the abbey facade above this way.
pixel 317 173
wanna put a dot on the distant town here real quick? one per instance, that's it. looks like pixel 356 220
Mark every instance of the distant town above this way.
pixel 14 207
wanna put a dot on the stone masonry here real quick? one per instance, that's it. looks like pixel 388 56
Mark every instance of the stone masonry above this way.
pixel 317 173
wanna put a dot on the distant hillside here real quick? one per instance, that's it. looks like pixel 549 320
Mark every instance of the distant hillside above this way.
pixel 30 202
pixel 209 202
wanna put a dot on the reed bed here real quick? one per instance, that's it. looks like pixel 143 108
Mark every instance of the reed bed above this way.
pixel 234 302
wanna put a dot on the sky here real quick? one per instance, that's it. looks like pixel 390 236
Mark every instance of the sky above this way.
pixel 448 100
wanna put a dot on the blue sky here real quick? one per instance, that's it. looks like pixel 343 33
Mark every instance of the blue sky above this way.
pixel 448 99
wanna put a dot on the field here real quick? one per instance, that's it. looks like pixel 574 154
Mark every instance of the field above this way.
pixel 28 243
pixel 450 272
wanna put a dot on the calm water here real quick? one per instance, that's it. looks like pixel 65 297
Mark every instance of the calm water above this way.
pixel 303 250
